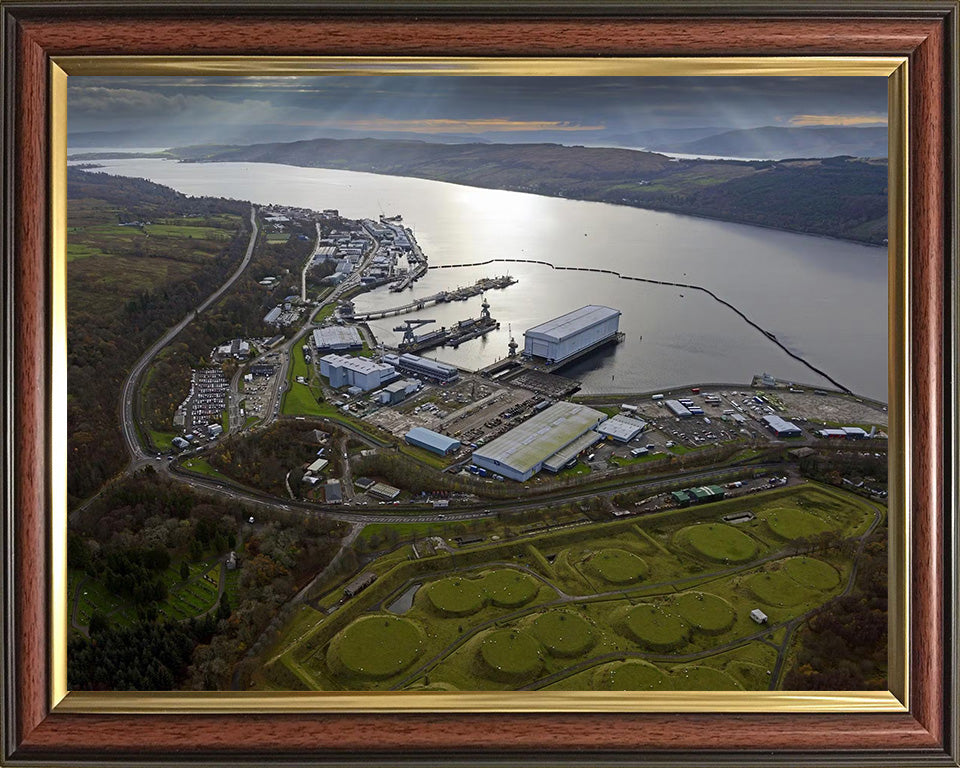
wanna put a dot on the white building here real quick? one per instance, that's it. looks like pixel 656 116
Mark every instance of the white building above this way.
pixel 622 428
pixel 523 451
pixel 355 372
pixel 337 337
pixel 565 336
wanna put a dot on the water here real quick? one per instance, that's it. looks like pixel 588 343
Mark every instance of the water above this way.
pixel 825 299
pixel 403 603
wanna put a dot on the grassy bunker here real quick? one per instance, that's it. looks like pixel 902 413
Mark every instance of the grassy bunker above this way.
pixel 510 655
pixel 375 647
pixel 617 566
pixel 706 612
pixel 509 589
pixel 777 588
pixel 631 676
pixel 562 633
pixel 456 596
pixel 656 628
pixel 793 523
pixel 459 596
pixel 698 678
pixel 812 572
pixel 720 542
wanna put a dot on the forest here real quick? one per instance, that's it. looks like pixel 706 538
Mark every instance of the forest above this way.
pixel 137 528
pixel 844 646
pixel 124 288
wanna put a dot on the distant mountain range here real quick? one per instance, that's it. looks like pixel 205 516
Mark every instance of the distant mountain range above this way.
pixel 780 143
pixel 766 143
pixel 840 197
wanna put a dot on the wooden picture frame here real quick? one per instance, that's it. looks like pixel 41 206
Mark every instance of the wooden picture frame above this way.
pixel 35 733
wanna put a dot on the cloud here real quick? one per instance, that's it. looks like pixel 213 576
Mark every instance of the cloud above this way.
pixel 806 120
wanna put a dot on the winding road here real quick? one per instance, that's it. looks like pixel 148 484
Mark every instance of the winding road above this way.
pixel 138 455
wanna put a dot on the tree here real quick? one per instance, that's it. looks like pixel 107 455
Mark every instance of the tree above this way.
pixel 184 571
pixel 223 610
pixel 98 623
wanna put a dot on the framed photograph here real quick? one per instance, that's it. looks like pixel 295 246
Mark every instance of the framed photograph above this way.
pixel 543 384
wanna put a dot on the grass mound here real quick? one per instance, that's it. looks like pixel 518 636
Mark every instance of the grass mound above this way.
pixel 460 596
pixel 720 542
pixel 631 676
pixel 617 566
pixel 792 523
pixel 658 628
pixel 456 596
pixel 811 572
pixel 508 589
pixel 706 612
pixel 777 588
pixel 698 678
pixel 562 633
pixel 375 647
pixel 510 655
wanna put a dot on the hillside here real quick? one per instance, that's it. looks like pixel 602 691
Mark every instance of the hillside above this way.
pixel 838 197
pixel 777 142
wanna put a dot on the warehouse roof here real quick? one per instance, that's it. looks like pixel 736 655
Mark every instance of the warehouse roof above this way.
pixel 567 325
pixel 622 427
pixel 541 436
pixel 337 336
pixel 559 460
pixel 435 440
pixel 780 425
pixel 358 364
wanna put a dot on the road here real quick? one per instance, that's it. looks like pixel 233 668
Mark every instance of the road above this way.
pixel 138 456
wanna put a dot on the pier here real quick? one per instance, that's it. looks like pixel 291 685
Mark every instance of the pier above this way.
pixel 460 294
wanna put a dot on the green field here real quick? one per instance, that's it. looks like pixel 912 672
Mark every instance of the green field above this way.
pixel 657 627
pixel 563 633
pixel 720 542
pixel 376 647
pixel 511 655
pixel 618 566
pixel 642 590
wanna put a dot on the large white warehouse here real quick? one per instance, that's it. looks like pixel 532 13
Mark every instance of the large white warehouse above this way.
pixel 520 453
pixel 355 372
pixel 564 336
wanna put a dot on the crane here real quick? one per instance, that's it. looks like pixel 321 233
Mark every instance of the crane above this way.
pixel 409 325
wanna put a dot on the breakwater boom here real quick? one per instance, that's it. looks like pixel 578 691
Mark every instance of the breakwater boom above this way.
pixel 688 286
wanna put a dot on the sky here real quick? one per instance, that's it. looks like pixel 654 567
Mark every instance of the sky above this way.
pixel 585 109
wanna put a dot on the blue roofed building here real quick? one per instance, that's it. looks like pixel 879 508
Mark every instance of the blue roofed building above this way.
pixel 432 441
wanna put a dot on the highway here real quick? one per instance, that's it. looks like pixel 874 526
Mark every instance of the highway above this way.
pixel 139 456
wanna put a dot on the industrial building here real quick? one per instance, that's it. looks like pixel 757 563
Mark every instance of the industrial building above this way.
pixel 565 336
pixel 383 491
pixel 622 428
pixel 700 495
pixel 520 453
pixel 781 427
pixel 568 455
pixel 337 338
pixel 433 441
pixel 678 409
pixel 355 372
pixel 397 391
pixel 332 492
pixel 848 433
pixel 272 316
pixel 420 366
